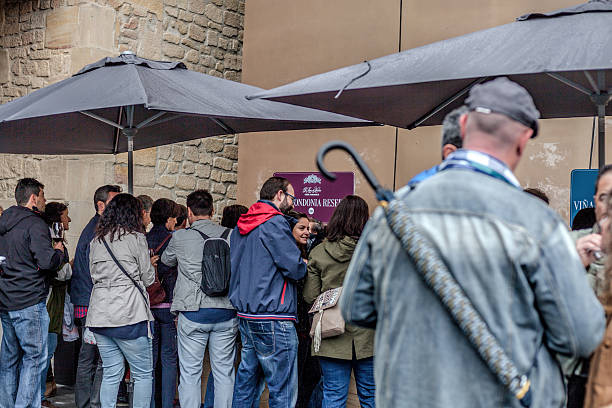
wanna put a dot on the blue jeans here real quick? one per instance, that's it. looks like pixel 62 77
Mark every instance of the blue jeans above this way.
pixel 209 397
pixel 138 354
pixel 51 346
pixel 337 376
pixel 23 355
pixel 268 347
pixel 164 346
pixel 192 340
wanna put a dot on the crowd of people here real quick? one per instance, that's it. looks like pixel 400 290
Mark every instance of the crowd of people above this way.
pixel 298 306
pixel 154 284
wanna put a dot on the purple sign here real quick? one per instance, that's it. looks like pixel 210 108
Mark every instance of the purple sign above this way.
pixel 317 196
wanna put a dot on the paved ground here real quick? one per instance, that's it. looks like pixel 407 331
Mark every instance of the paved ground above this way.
pixel 65 397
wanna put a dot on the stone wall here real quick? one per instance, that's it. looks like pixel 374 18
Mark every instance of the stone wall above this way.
pixel 45 41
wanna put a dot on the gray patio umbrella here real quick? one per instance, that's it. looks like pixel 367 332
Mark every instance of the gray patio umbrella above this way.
pixel 151 103
pixel 563 58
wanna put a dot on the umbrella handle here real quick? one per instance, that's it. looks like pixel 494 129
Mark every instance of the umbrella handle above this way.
pixel 381 193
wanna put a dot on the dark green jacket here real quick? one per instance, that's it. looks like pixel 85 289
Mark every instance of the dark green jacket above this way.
pixel 327 267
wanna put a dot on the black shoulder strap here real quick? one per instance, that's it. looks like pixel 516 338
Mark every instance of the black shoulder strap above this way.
pixel 201 233
pixel 124 271
pixel 225 233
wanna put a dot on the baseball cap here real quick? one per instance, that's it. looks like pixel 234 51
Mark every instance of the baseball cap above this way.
pixel 507 98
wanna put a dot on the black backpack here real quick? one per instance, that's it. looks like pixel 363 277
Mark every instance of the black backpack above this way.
pixel 215 265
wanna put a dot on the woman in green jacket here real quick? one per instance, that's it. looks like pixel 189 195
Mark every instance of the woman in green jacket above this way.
pixel 354 349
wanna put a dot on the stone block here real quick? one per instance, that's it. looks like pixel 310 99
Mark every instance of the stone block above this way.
pixel 197 6
pixel 219 188
pixel 129 34
pixel 42 68
pixel 191 44
pixel 197 33
pixel 213 13
pixel 223 43
pixel 5 68
pixel 208 61
pixel 144 157
pixel 182 27
pixel 154 6
pixel 232 5
pixel 177 152
pixel 40 54
pixel 167 181
pixel 172 168
pixel 185 182
pixel 188 168
pixel 205 158
pixel 62 28
pixel 139 10
pixel 80 57
pixel 232 19
pixel 215 175
pixel 37 83
pixel 202 170
pixel 192 153
pixel 229 32
pixel 164 152
pixel 182 4
pixel 213 145
pixel 222 163
pixel 232 76
pixel 38 20
pixel 96 27
pixel 83 178
pixel 185 16
pixel 229 178
pixel 172 11
pixel 154 193
pixel 193 142
pixel 173 51
pixel 172 38
pixel 120 175
pixel 231 152
pixel 144 176
pixel 161 166
pixel 131 24
pixel 203 184
pixel 200 20
pixel 231 191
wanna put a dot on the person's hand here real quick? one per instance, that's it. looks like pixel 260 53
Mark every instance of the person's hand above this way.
pixel 587 246
pixel 154 260
pixel 58 245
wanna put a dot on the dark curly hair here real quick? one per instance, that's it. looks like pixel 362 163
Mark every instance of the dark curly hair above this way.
pixel 122 215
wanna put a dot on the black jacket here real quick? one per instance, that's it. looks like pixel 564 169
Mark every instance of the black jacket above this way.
pixel 31 261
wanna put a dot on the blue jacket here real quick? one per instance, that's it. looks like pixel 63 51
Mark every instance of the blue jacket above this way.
pixel 516 262
pixel 266 262
pixel 81 285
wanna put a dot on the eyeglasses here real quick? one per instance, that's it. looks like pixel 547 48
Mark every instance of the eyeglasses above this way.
pixel 290 195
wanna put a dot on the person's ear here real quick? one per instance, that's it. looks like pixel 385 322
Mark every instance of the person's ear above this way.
pixel 448 149
pixel 189 213
pixel 523 139
pixel 462 123
pixel 279 195
pixel 32 200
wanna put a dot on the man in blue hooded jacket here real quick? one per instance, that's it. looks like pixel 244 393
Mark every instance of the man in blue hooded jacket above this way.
pixel 266 262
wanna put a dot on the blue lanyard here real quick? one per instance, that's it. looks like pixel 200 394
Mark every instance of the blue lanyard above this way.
pixel 494 168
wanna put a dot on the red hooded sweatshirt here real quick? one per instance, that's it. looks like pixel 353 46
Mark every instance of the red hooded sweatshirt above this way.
pixel 259 213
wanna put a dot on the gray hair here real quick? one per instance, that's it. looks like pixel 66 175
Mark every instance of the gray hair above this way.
pixel 451 131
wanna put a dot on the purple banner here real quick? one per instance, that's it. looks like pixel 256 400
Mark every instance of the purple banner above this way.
pixel 316 196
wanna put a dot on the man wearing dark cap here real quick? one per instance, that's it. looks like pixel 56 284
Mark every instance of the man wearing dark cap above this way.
pixel 509 252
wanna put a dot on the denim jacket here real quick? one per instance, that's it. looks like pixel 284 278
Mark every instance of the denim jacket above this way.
pixel 516 262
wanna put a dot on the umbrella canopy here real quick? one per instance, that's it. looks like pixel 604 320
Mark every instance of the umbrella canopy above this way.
pixel 151 103
pixel 563 58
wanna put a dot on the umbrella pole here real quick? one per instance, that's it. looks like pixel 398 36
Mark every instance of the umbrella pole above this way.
pixel 130 141
pixel 601 129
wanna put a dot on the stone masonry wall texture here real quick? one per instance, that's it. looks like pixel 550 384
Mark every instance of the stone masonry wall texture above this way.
pixel 45 41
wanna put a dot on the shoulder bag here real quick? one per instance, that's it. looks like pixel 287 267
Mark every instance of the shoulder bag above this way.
pixel 327 320
pixel 156 291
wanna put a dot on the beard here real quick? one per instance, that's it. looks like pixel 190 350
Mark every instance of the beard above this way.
pixel 285 207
